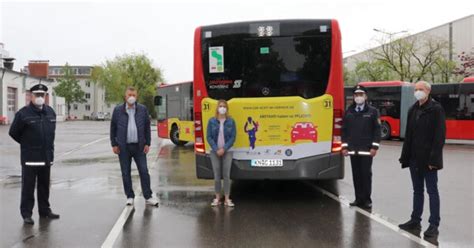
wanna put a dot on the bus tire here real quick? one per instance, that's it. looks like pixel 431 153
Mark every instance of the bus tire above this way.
pixel 174 136
pixel 385 130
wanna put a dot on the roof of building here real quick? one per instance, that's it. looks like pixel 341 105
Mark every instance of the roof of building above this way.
pixel 411 35
pixel 26 74
pixel 72 66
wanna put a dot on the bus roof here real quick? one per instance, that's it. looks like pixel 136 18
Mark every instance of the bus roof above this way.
pixel 468 80
pixel 383 83
pixel 230 24
pixel 163 85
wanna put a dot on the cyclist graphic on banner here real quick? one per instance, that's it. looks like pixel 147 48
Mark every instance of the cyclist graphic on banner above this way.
pixel 251 128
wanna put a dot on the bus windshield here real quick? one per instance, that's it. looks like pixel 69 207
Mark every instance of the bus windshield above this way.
pixel 296 65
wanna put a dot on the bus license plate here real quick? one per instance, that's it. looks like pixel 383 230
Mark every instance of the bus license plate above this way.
pixel 266 162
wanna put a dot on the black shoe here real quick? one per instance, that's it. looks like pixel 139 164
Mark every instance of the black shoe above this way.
pixel 410 225
pixel 432 231
pixel 28 221
pixel 354 203
pixel 50 215
pixel 366 206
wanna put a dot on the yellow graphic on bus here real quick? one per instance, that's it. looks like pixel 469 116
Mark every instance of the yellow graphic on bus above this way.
pixel 282 127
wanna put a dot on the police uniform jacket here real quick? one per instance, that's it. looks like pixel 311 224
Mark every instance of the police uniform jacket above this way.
pixel 361 130
pixel 35 129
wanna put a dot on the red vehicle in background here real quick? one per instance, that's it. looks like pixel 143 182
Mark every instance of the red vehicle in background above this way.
pixel 304 131
pixel 468 80
pixel 394 98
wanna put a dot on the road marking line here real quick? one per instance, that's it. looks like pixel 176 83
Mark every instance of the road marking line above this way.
pixel 68 152
pixel 81 147
pixel 119 224
pixel 117 228
pixel 376 217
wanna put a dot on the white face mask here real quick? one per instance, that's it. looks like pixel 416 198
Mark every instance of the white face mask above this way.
pixel 359 100
pixel 39 101
pixel 131 100
pixel 222 110
pixel 419 95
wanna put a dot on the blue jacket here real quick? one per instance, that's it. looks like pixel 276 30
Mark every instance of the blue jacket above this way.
pixel 213 133
pixel 35 130
pixel 119 126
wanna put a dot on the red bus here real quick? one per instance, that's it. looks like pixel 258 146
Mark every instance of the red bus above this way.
pixel 394 98
pixel 284 85
pixel 174 108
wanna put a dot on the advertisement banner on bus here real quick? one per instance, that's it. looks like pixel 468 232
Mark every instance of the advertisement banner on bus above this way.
pixel 282 128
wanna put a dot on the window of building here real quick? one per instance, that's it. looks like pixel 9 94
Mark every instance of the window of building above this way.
pixel 88 96
pixel 75 106
pixel 88 83
pixel 88 107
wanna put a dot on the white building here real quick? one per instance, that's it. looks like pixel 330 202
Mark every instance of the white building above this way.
pixel 14 94
pixel 459 34
pixel 94 93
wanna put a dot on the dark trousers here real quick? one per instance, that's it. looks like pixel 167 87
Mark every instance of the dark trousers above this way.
pixel 362 177
pixel 418 178
pixel 125 157
pixel 32 176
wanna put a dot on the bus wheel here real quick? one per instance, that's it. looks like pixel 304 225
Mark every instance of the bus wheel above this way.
pixel 385 130
pixel 174 136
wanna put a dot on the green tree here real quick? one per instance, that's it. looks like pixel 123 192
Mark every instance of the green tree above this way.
pixel 129 70
pixel 442 71
pixel 69 88
pixel 372 71
pixel 410 58
pixel 349 77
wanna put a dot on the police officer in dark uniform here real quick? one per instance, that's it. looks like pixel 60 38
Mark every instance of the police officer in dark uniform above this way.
pixel 34 128
pixel 360 140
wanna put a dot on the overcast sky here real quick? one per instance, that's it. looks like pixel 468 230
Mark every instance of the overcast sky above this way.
pixel 88 33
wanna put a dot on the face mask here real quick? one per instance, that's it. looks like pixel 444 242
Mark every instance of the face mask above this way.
pixel 39 101
pixel 222 110
pixel 359 99
pixel 131 100
pixel 419 95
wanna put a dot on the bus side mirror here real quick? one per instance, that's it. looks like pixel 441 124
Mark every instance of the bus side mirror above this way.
pixel 158 100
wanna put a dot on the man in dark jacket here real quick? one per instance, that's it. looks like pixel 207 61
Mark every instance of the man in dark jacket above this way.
pixel 422 152
pixel 130 136
pixel 34 129
pixel 360 140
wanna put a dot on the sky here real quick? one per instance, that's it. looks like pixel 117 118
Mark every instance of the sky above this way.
pixel 91 32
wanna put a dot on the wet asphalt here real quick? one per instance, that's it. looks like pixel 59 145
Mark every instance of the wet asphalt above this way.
pixel 86 189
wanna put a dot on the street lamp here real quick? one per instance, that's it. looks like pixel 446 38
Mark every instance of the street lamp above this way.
pixel 350 51
pixel 389 33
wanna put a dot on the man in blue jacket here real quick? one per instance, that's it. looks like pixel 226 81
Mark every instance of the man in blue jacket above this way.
pixel 130 136
pixel 34 129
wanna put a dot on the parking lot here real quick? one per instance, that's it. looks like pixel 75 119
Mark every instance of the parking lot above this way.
pixel 87 191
